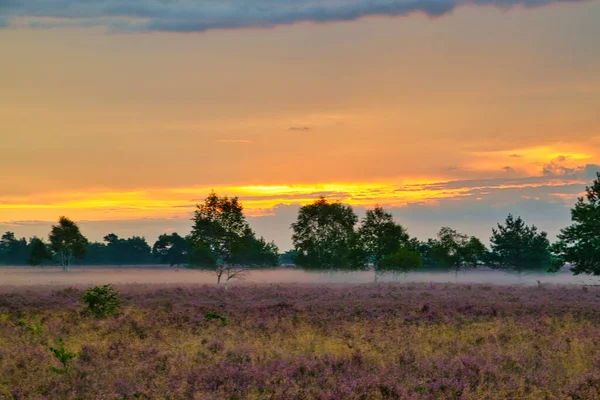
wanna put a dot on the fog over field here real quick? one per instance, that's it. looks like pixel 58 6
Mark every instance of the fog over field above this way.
pixel 19 276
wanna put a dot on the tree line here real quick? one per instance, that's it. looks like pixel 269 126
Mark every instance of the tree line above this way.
pixel 76 251
pixel 327 236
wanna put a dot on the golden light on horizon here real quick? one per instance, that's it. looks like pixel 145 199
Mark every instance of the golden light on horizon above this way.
pixel 258 200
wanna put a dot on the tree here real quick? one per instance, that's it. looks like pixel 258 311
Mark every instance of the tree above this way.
pixel 202 256
pixel 171 249
pixel 97 254
pixel 257 253
pixel 13 251
pixel 455 251
pixel 133 250
pixel 219 225
pixel 222 241
pixel 579 243
pixel 66 241
pixel 111 238
pixel 517 247
pixel 38 252
pixel 380 236
pixel 323 236
pixel 403 260
pixel 421 248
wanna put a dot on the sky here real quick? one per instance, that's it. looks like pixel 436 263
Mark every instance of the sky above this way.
pixel 124 114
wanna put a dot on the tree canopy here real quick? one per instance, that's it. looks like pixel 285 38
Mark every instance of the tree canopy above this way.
pixel 171 249
pixel 257 252
pixel 39 252
pixel 518 247
pixel 66 241
pixel 219 226
pixel 323 235
pixel 579 243
pixel 13 251
pixel 130 251
pixel 455 251
pixel 380 237
pixel 403 260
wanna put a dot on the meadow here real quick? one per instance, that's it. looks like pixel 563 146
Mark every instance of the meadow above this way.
pixel 304 341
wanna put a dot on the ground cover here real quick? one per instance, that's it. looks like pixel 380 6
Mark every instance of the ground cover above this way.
pixel 385 341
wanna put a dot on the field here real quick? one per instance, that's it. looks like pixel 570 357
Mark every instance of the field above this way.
pixel 292 341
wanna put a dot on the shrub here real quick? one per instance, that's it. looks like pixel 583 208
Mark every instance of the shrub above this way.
pixel 101 301
pixel 63 356
pixel 212 315
pixel 33 326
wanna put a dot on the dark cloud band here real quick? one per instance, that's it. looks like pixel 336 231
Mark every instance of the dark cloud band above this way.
pixel 203 15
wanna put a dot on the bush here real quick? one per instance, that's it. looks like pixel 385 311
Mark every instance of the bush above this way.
pixel 33 326
pixel 63 356
pixel 212 315
pixel 101 301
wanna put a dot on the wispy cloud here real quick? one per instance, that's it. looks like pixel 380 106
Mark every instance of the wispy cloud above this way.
pixel 234 141
pixel 299 128
pixel 258 199
pixel 204 15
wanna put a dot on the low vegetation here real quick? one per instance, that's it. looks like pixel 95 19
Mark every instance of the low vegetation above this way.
pixel 378 341
pixel 101 301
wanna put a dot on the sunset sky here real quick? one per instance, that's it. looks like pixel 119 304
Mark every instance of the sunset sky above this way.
pixel 123 114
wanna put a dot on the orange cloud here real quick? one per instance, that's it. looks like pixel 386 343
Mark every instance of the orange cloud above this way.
pixel 258 200
pixel 529 161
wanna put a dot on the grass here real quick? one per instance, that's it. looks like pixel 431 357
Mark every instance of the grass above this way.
pixel 389 341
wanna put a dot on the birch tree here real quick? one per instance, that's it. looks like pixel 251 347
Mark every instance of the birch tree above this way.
pixel 67 242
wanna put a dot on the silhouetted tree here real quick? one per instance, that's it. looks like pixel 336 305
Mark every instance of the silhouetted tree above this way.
pixel 380 236
pixel 171 249
pixel 257 253
pixel 38 252
pixel 111 238
pixel 13 251
pixel 579 243
pixel 133 250
pixel 517 247
pixel 136 251
pixel 455 251
pixel 66 241
pixel 324 235
pixel 97 254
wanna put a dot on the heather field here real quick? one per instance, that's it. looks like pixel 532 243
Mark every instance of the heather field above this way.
pixel 286 341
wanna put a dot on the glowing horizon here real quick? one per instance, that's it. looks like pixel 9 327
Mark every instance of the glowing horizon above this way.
pixel 257 200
